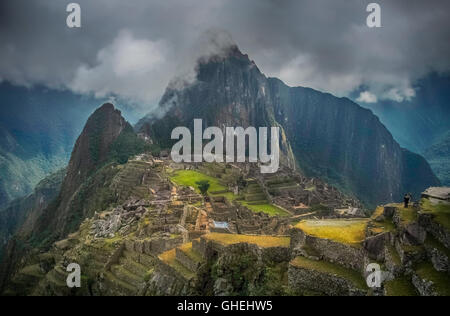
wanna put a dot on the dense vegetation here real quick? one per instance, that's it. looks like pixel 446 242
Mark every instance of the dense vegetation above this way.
pixel 128 144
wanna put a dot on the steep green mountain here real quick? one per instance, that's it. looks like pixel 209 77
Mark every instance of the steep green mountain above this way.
pixel 331 138
pixel 438 155
pixel 22 212
pixel 106 138
pixel 89 185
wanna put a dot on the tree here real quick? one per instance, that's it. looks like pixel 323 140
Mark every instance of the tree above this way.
pixel 203 186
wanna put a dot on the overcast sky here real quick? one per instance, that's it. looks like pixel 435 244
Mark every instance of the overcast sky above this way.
pixel 133 48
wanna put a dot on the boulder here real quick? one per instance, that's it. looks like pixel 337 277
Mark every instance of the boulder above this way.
pixel 375 246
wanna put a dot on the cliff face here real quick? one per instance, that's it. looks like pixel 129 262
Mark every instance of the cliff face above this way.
pixel 438 155
pixel 335 139
pixel 22 212
pixel 331 138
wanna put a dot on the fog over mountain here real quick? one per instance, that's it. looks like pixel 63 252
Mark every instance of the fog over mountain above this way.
pixel 324 45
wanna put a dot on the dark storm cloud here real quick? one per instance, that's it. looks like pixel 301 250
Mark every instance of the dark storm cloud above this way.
pixel 133 48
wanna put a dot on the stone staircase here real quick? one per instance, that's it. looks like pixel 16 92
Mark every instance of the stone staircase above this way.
pixel 253 193
pixel 278 184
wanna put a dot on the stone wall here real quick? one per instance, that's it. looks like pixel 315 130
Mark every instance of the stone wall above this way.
pixel 167 281
pixel 439 259
pixel 153 246
pixel 424 287
pixel 301 279
pixel 345 255
pixel 375 246
pixel 186 261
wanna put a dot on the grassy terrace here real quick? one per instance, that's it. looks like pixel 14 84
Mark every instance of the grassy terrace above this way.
pixel 190 177
pixel 348 231
pixel 261 241
pixel 270 209
pixel 441 280
pixel 394 255
pixel 407 215
pixel 331 269
pixel 169 257
pixel 441 211
pixel 378 212
pixel 192 254
pixel 380 227
pixel 400 287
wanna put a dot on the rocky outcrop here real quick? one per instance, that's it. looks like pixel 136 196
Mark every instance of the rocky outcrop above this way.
pixel 439 259
pixel 423 286
pixel 22 213
pixel 376 245
pixel 434 228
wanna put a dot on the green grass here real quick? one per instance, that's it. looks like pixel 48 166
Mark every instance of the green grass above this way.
pixel 394 255
pixel 400 287
pixel 407 215
pixel 384 226
pixel 441 212
pixel 169 257
pixel 311 188
pixel 441 280
pixel 191 253
pixel 412 249
pixel 331 269
pixel 230 196
pixel 267 208
pixel 378 212
pixel 190 177
pixel 341 230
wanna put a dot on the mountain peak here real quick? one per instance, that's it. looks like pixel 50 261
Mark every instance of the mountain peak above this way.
pixel 215 45
pixel 101 130
pixel 106 108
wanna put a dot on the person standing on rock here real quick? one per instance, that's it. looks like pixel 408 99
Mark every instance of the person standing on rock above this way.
pixel 406 199
pixel 410 199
